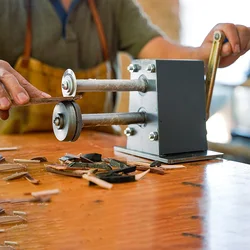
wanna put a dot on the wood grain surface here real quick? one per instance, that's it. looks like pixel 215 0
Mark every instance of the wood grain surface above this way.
pixel 203 206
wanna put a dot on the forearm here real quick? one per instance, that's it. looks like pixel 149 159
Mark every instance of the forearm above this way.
pixel 238 44
pixel 162 48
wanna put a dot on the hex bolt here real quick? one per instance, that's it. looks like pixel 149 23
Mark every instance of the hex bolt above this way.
pixel 65 85
pixel 151 68
pixel 153 136
pixel 129 131
pixel 58 121
pixel 134 67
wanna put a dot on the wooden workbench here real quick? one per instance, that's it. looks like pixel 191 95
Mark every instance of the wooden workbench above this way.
pixel 204 206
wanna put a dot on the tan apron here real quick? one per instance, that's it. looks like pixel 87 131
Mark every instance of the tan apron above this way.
pixel 48 79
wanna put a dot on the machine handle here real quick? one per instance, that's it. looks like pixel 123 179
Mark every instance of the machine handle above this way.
pixel 213 63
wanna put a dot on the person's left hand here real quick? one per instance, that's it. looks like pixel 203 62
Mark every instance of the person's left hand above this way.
pixel 238 37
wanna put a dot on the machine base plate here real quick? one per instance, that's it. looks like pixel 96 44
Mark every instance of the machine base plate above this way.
pixel 173 159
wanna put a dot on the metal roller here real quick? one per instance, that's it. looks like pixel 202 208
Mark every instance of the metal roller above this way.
pixel 71 86
pixel 68 121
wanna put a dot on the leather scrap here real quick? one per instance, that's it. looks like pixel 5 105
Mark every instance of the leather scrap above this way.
pixel 115 163
pixel 19 175
pixel 101 165
pixel 11 219
pixel 25 161
pixel 15 176
pixel 8 148
pixel 8 167
pixel 61 172
pixel 97 181
pixel 10 243
pixel 155 164
pixel 39 101
pixel 69 158
pixel 32 180
pixel 64 167
pixel 40 199
pixel 2 159
pixel 44 193
pixel 6 248
pixel 156 170
pixel 40 158
pixel 95 157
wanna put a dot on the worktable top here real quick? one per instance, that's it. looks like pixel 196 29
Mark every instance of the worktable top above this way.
pixel 203 206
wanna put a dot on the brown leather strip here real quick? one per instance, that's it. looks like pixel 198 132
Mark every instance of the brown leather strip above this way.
pixel 37 101
pixel 100 29
pixel 28 37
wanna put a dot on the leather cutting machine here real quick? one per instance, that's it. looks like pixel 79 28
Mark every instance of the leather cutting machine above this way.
pixel 168 108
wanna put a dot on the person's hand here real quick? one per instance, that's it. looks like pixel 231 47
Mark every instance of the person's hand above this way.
pixel 14 89
pixel 238 37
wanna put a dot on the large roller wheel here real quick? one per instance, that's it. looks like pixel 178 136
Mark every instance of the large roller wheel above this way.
pixel 67 121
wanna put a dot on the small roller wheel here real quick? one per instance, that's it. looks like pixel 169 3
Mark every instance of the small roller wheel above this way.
pixel 69 85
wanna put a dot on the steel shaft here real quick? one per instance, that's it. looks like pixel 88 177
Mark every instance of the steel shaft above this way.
pixel 107 119
pixel 71 86
pixel 93 85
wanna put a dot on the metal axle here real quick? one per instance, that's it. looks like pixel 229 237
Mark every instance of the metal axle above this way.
pixel 71 86
pixel 107 119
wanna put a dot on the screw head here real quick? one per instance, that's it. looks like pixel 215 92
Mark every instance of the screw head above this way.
pixel 134 68
pixel 129 131
pixel 151 68
pixel 217 35
pixel 69 83
pixel 58 121
pixel 65 85
pixel 153 136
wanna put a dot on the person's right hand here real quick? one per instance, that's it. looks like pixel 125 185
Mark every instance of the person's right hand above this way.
pixel 14 88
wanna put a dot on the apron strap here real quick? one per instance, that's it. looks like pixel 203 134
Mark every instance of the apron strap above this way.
pixel 100 29
pixel 28 36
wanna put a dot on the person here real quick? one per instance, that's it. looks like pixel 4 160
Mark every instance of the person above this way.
pixel 42 38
